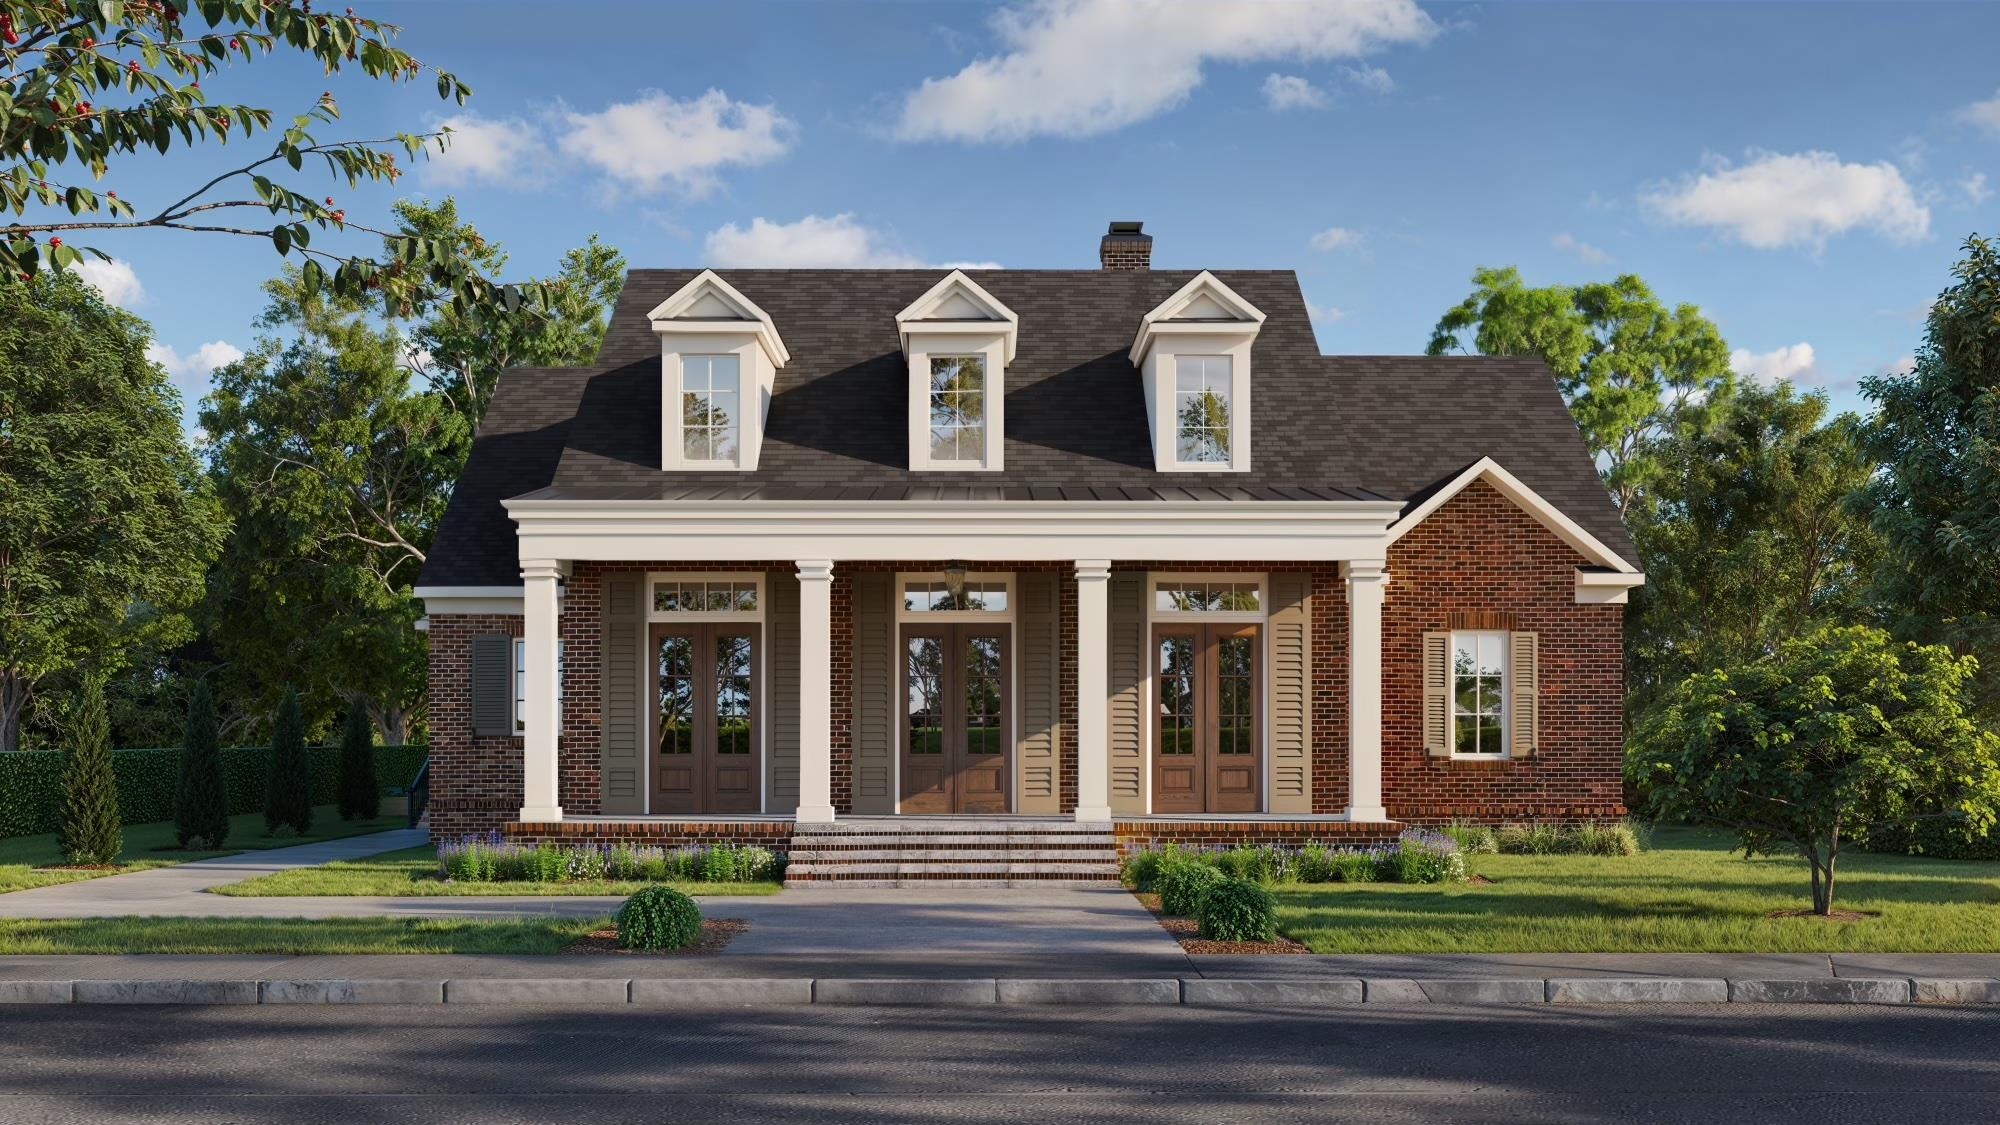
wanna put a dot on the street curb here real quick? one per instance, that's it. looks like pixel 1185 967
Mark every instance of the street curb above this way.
pixel 1249 993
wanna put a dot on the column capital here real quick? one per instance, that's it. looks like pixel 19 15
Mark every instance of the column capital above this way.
pixel 1093 570
pixel 815 570
pixel 542 568
pixel 1365 570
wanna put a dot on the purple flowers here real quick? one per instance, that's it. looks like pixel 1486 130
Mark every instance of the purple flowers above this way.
pixel 490 858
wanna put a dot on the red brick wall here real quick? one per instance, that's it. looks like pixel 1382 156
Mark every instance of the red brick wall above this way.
pixel 1481 553
pixel 475 782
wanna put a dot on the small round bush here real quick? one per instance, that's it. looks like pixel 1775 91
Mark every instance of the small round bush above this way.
pixel 1182 882
pixel 658 918
pixel 1238 910
pixel 1140 869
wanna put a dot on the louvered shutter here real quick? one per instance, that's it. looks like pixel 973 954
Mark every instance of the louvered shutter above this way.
pixel 492 685
pixel 1437 694
pixel 1524 660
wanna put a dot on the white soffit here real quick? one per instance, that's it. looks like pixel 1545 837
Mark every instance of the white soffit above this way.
pixel 709 305
pixel 958 304
pixel 1528 500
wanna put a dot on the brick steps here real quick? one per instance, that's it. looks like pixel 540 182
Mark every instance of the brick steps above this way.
pixel 952 852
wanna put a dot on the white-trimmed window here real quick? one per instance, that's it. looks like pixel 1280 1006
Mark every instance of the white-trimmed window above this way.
pixel 521 683
pixel 675 597
pixel 958 409
pixel 1203 405
pixel 931 596
pixel 1479 694
pixel 1182 596
pixel 711 409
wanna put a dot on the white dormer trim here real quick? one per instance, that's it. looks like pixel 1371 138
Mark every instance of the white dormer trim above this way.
pixel 1202 318
pixel 1545 513
pixel 958 317
pixel 710 317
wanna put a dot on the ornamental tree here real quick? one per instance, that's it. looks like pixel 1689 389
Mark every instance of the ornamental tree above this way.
pixel 1835 733
pixel 87 86
pixel 288 787
pixel 201 801
pixel 357 793
pixel 1631 368
pixel 92 834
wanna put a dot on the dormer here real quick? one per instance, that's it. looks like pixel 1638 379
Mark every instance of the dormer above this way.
pixel 958 340
pixel 719 358
pixel 1193 356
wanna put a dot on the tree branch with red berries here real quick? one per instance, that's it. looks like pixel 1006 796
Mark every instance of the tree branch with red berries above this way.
pixel 63 63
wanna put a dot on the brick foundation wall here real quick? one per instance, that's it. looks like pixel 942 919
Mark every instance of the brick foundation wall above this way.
pixel 1136 834
pixel 1479 553
pixel 475 782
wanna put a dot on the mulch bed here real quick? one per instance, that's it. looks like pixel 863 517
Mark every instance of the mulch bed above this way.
pixel 1832 916
pixel 715 933
pixel 1187 931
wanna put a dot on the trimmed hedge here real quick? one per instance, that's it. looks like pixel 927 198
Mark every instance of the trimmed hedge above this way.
pixel 31 782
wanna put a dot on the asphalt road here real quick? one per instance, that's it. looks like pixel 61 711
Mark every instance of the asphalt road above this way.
pixel 494 1065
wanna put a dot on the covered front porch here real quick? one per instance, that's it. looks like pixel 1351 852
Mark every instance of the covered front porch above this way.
pixel 1168 669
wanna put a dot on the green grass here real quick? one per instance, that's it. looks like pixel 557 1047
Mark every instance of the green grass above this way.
pixel 153 845
pixel 1687 893
pixel 413 871
pixel 294 936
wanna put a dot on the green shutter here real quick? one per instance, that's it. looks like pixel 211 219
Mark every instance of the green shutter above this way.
pixel 1038 649
pixel 492 660
pixel 1291 693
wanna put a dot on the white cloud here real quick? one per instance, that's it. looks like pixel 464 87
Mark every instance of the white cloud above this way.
pixel 1975 188
pixel 1794 363
pixel 1373 79
pixel 114 279
pixel 1326 314
pixel 1077 68
pixel 1289 91
pixel 1794 199
pixel 510 152
pixel 194 368
pixel 1337 238
pixel 812 242
pixel 1584 251
pixel 656 140
pixel 1985 115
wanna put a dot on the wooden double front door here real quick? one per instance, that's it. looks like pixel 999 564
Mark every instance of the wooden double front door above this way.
pixel 956 726
pixel 1208 697
pixel 705 730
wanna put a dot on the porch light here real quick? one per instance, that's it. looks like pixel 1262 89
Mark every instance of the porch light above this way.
pixel 954 582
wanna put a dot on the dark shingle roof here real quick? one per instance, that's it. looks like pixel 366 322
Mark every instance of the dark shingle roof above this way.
pixel 1324 427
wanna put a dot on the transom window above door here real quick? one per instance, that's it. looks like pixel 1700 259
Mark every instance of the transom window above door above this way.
pixel 936 595
pixel 1194 595
pixel 680 598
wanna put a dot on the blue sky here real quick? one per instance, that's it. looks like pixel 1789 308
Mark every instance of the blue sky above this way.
pixel 1804 173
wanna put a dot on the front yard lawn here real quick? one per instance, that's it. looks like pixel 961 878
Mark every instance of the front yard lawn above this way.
pixel 24 859
pixel 413 872
pixel 1686 893
pixel 294 936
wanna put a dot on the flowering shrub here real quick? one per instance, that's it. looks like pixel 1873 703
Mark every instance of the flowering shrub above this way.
pixel 1428 857
pixel 1418 857
pixel 491 859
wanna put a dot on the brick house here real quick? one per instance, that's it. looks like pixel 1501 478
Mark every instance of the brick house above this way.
pixel 1115 548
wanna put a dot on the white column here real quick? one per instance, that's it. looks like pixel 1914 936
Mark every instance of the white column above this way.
pixel 815 691
pixel 1093 690
pixel 541 715
pixel 1366 582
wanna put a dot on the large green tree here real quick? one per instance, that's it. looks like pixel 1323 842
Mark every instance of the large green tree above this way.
pixel 1835 733
pixel 88 87
pixel 1631 368
pixel 1937 432
pixel 1747 538
pixel 106 522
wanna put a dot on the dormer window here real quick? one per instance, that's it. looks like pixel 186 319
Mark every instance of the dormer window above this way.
pixel 719 359
pixel 1193 356
pixel 958 340
pixel 1202 394
pixel 711 421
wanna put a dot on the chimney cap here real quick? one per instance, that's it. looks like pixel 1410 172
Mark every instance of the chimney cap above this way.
pixel 1126 227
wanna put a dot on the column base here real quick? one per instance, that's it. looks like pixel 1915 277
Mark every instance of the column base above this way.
pixel 1092 816
pixel 546 815
pixel 813 814
pixel 1371 814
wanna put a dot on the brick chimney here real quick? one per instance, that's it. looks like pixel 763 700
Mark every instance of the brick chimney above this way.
pixel 1126 247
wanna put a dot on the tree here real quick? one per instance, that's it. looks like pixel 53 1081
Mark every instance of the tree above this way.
pixel 288 791
pixel 463 348
pixel 1632 369
pixel 59 57
pixel 1837 732
pixel 92 834
pixel 201 806
pixel 1747 538
pixel 106 522
pixel 1937 505
pixel 359 794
